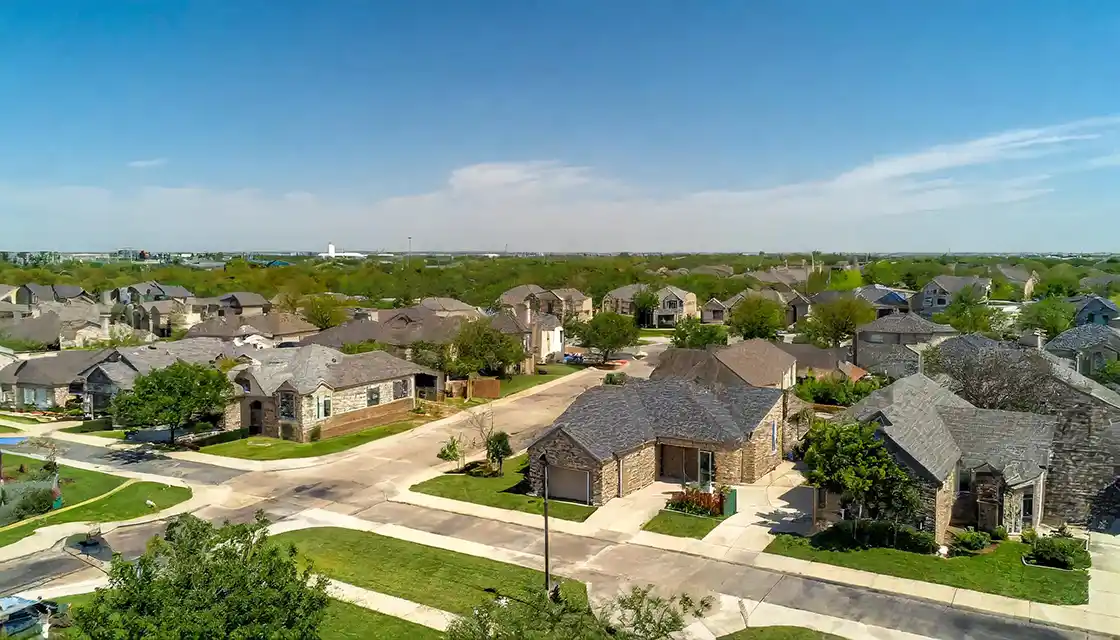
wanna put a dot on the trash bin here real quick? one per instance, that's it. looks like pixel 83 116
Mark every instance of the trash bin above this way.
pixel 729 503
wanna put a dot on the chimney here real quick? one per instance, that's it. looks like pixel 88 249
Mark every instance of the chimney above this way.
pixel 107 297
pixel 104 318
pixel 525 313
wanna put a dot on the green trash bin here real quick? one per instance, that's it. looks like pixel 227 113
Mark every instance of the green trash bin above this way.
pixel 729 503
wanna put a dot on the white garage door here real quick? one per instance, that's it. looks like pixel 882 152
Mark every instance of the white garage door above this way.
pixel 567 484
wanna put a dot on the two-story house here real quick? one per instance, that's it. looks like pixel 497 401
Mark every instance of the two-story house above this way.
pixel 562 303
pixel 673 304
pixel 892 345
pixel 939 292
pixel 32 293
pixel 150 291
pixel 796 305
pixel 1094 309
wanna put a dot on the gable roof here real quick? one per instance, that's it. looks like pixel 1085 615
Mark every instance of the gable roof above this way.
pixel 6 289
pixel 518 294
pixel 880 295
pixel 677 291
pixel 137 361
pixel 570 294
pixel 447 305
pixel 757 361
pixel 507 322
pixel 1080 302
pixel 1013 443
pixel 45 328
pixel 305 368
pixel 626 292
pixel 812 357
pixel 1014 273
pixel 269 325
pixel 906 323
pixel 1084 337
pixel 611 419
pixel 53 371
pixel 955 284
pixel 244 299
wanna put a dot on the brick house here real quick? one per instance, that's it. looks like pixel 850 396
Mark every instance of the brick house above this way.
pixel 673 304
pixel 48 381
pixel 754 362
pixel 616 439
pixel 562 303
pixel 974 467
pixel 313 392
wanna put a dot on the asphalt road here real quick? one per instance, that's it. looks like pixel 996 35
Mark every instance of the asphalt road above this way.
pixel 141 461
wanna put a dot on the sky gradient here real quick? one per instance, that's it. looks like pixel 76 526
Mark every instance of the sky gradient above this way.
pixel 560 126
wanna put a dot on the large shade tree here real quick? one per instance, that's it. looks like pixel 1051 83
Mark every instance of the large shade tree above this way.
pixel 757 317
pixel 176 396
pixel 480 348
pixel 1050 316
pixel 968 313
pixel 690 333
pixel 830 323
pixel 610 332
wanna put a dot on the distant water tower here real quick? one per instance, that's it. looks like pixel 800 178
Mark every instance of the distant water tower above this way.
pixel 330 249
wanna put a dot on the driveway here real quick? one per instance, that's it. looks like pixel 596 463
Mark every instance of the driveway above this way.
pixel 1104 577
pixel 779 502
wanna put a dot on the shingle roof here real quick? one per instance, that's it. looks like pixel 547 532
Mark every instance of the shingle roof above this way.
pixel 756 361
pixel 399 329
pixel 44 329
pixel 1016 273
pixel 57 370
pixel 1083 337
pixel 611 419
pixel 518 294
pixel 268 325
pixel 954 284
pixel 810 356
pixel 677 291
pixel 245 299
pixel 905 323
pixel 548 322
pixel 1013 443
pixel 446 305
pixel 306 367
pixel 67 291
pixel 507 322
pixel 570 294
pixel 627 292
pixel 6 289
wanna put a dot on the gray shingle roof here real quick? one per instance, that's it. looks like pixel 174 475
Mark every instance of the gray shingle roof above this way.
pixel 269 325
pixel 306 367
pixel 548 322
pixel 507 322
pixel 1016 274
pixel 6 289
pixel 1013 443
pixel 810 356
pixel 245 299
pixel 677 291
pixel 905 323
pixel 612 419
pixel 754 362
pixel 955 284
pixel 57 370
pixel 447 305
pixel 518 294
pixel 627 292
pixel 570 294
pixel 1083 337
pixel 400 329
pixel 46 328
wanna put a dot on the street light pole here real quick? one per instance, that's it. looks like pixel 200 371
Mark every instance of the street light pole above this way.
pixel 547 557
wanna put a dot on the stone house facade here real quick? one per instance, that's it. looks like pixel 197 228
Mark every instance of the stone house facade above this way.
pixel 597 451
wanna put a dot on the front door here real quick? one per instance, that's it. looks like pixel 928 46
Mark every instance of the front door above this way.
pixel 256 418
pixel 1028 510
pixel 707 469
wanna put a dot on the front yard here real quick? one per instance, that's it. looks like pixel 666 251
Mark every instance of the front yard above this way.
pixel 100 427
pixel 5 429
pixel 19 419
pixel 683 525
pixel 262 448
pixel 439 578
pixel 545 373
pixel 656 333
pixel 999 571
pixel 507 491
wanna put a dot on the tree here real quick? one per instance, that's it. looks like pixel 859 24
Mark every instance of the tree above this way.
pixel 1109 374
pixel 323 311
pixel 1051 316
pixel 289 301
pixel 202 581
pixel 177 396
pixel 967 313
pixel 644 302
pixel 1060 280
pixel 480 348
pixel 997 377
pixel 635 615
pixel 880 272
pixel 364 346
pixel 608 332
pixel 498 449
pixel 690 333
pixel 757 317
pixel 843 279
pixel 830 323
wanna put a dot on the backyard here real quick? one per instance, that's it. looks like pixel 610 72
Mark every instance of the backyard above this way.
pixel 506 491
pixel 683 525
pixel 439 578
pixel 545 373
pixel 999 571
pixel 262 448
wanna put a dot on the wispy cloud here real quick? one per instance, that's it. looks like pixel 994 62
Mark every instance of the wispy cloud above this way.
pixel 147 164
pixel 896 202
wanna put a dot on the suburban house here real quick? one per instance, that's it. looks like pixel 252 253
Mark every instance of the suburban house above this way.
pixel 891 345
pixel 35 293
pixel 541 334
pixel 756 362
pixel 398 329
pixel 616 439
pixel 63 325
pixel 1021 277
pixel 885 300
pixel 150 291
pixel 1086 348
pixel 674 303
pixel 244 303
pixel 270 329
pixel 447 307
pixel 796 305
pixel 974 467
pixel 8 293
pixel 46 382
pixel 313 392
pixel 786 277
pixel 162 317
pixel 1094 309
pixel 939 292
pixel 822 363
pixel 120 367
pixel 1101 282
pixel 562 303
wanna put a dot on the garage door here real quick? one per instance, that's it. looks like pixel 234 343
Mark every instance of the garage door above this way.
pixel 567 484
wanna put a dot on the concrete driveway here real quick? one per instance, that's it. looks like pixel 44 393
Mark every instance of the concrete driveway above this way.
pixel 779 502
pixel 1104 577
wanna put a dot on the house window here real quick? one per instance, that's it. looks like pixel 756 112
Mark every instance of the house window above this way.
pixel 875 337
pixel 773 436
pixel 287 405
pixel 76 387
pixel 941 302
pixel 373 396
pixel 929 302
pixel 1028 508
pixel 323 407
pixel 401 389
pixel 1092 318
pixel 244 385
pixel 28 396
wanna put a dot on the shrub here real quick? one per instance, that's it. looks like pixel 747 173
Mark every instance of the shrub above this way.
pixel 1028 536
pixel 696 502
pixel 614 378
pixel 999 533
pixel 868 534
pixel 450 450
pixel 218 438
pixel 32 503
pixel 498 448
pixel 287 431
pixel 1062 532
pixel 972 540
pixel 1060 552
pixel 835 391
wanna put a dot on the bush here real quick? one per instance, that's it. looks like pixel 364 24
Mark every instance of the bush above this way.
pixel 33 503
pixel 868 534
pixel 999 533
pixel 696 502
pixel 315 434
pixel 1028 536
pixel 835 391
pixel 287 431
pixel 614 378
pixel 449 452
pixel 219 438
pixel 972 540
pixel 1060 552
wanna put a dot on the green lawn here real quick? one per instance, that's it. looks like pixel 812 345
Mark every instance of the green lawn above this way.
pixel 115 434
pixel 19 419
pixel 91 426
pixel 344 621
pixel 683 525
pixel 780 633
pixel 6 429
pixel 77 484
pixel 544 374
pixel 507 491
pixel 435 577
pixel 262 448
pixel 656 333
pixel 1000 571
pixel 126 504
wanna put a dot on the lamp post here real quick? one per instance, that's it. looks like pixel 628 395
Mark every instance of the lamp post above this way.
pixel 547 558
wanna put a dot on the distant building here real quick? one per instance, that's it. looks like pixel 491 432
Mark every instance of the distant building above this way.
pixel 331 254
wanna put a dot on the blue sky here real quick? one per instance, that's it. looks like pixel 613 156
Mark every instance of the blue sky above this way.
pixel 574 125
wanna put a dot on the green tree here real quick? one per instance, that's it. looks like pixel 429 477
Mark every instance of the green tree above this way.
pixel 364 346
pixel 644 302
pixel 176 396
pixel 1051 316
pixel 757 317
pixel 202 581
pixel 634 615
pixel 1060 280
pixel 498 449
pixel 880 272
pixel 844 279
pixel 608 332
pixel 480 348
pixel 967 313
pixel 323 311
pixel 690 333
pixel 830 323
pixel 1109 373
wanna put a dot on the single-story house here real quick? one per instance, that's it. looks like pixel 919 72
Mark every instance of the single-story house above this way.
pixel 616 439
pixel 277 328
pixel 974 467
pixel 48 381
pixel 755 362
pixel 822 363
pixel 314 392
pixel 1088 347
